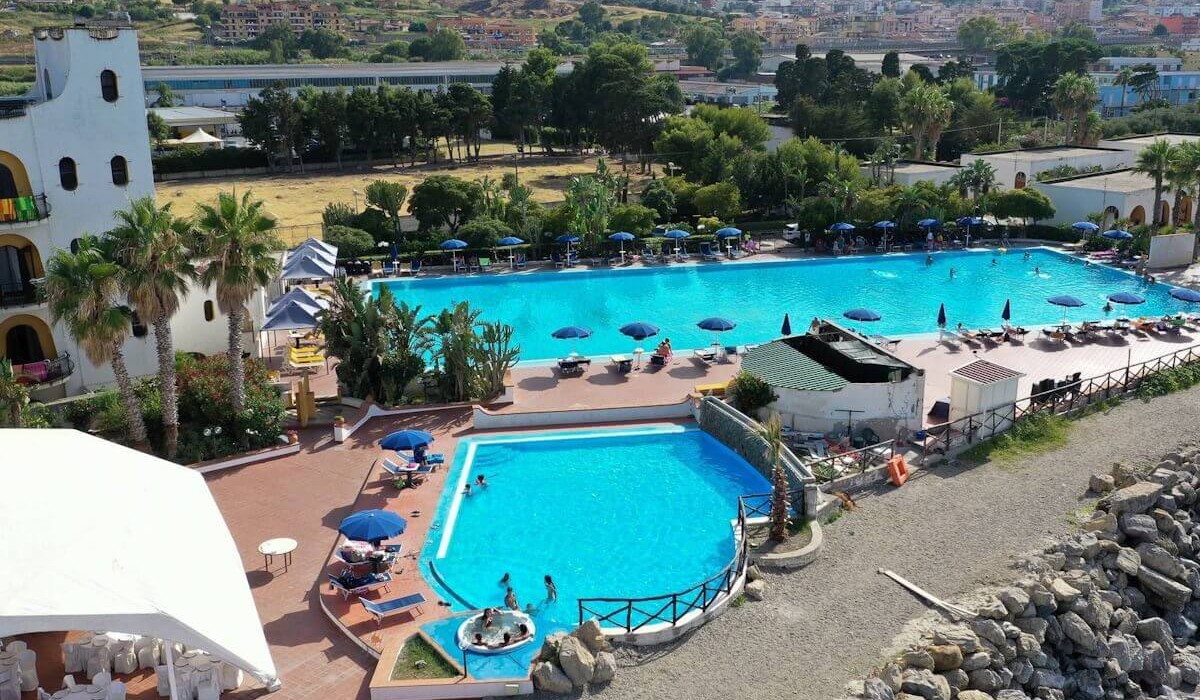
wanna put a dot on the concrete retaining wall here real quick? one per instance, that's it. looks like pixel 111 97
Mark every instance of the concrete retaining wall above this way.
pixel 487 420
pixel 216 465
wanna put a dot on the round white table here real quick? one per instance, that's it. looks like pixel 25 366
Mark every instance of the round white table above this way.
pixel 275 547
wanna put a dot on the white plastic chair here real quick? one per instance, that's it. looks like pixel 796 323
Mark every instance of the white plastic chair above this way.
pixel 10 687
pixel 147 652
pixel 42 694
pixel 124 660
pixel 231 676
pixel 72 660
pixel 103 679
pixel 207 690
pixel 98 663
pixel 69 682
pixel 16 646
pixel 29 677
pixel 175 647
pixel 163 680
pixel 116 691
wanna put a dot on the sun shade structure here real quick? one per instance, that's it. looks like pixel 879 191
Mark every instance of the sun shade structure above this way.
pixel 717 324
pixel 842 226
pixel 620 236
pixel 928 223
pixel 313 250
pixel 567 238
pixel 676 233
pixel 311 242
pixel 1006 314
pixel 453 244
pixel 306 268
pixel 729 232
pixel 569 332
pixel 884 225
pixel 941 320
pixel 1066 300
pixel 1117 235
pixel 1126 298
pixel 372 525
pixel 289 317
pixel 133 504
pixel 786 328
pixel 300 296
pixel 1189 295
pixel 1085 226
pixel 639 330
pixel 862 315
pixel 406 440
pixel 509 241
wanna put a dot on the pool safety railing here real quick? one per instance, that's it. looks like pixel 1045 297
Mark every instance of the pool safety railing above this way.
pixel 631 615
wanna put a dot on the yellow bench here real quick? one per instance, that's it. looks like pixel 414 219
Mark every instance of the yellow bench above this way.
pixel 712 389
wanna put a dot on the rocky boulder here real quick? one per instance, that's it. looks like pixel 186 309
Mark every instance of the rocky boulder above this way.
pixel 606 667
pixel 576 661
pixel 592 637
pixel 1135 498
pixel 549 678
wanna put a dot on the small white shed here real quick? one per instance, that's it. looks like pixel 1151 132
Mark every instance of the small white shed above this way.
pixel 981 387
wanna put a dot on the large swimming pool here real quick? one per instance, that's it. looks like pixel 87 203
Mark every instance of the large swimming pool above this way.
pixel 607 513
pixel 902 288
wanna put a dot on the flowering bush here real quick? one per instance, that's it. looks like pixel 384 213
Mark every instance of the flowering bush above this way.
pixel 208 426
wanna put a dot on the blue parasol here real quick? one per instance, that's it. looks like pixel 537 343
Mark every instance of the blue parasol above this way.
pixel 406 440
pixel 928 223
pixel 1189 295
pixel 862 315
pixel 1126 298
pixel 729 232
pixel 1066 300
pixel 1006 314
pixel 567 238
pixel 509 241
pixel 372 525
pixel 842 226
pixel 639 330
pixel 622 236
pixel 717 324
pixel 394 253
pixel 787 325
pixel 1117 235
pixel 884 225
pixel 453 244
pixel 676 234
pixel 941 316
pixel 1085 227
pixel 570 332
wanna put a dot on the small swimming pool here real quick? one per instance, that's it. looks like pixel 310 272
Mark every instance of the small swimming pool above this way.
pixel 608 513
pixel 901 287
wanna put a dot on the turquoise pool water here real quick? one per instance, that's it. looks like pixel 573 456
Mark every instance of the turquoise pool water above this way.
pixel 755 295
pixel 615 513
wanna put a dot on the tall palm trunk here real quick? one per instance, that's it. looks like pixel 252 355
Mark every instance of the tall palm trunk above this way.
pixel 237 366
pixel 1158 190
pixel 133 410
pixel 164 344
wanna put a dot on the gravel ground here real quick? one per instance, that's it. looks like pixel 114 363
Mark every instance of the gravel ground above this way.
pixel 949 530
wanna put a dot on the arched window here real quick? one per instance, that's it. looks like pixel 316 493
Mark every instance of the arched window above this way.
pixel 8 183
pixel 108 85
pixel 23 345
pixel 75 245
pixel 67 176
pixel 46 83
pixel 1019 181
pixel 120 170
pixel 209 313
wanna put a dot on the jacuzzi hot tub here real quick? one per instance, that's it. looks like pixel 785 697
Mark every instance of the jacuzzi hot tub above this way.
pixel 492 636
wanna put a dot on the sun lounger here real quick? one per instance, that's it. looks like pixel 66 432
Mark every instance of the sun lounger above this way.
pixel 414 268
pixel 521 262
pixel 485 264
pixel 705 355
pixel 434 458
pixel 573 366
pixel 706 252
pixel 359 585
pixel 649 255
pixel 717 389
pixel 389 269
pixel 884 341
pixel 622 363
pixel 384 608
pixel 473 265
pixel 399 469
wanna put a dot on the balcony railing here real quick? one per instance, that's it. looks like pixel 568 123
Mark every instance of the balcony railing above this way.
pixel 44 371
pixel 20 294
pixel 16 210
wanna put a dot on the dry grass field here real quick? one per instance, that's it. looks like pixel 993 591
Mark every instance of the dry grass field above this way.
pixel 299 199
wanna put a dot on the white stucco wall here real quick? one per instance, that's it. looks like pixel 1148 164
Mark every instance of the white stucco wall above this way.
pixel 1031 163
pixel 884 406
pixel 1073 203
pixel 1175 250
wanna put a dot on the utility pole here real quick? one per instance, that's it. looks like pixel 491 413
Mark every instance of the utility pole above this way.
pixel 1000 131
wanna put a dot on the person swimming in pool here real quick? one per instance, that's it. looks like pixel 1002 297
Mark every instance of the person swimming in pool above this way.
pixel 1027 255
pixel 995 262
pixel 510 600
pixel 953 273
pixel 504 580
pixel 481 482
pixel 466 490
pixel 1037 270
pixel 928 259
pixel 551 589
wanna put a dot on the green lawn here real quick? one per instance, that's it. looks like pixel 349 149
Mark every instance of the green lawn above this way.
pixel 418 659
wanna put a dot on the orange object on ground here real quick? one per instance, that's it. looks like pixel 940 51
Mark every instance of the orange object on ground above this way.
pixel 897 470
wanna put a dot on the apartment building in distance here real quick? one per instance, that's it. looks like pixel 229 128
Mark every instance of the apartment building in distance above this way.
pixel 778 30
pixel 482 33
pixel 245 21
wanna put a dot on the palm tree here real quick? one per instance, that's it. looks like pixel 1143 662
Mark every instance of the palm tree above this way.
pixel 1074 95
pixel 771 431
pixel 1123 78
pixel 1155 161
pixel 150 245
pixel 982 178
pixel 841 190
pixel 925 111
pixel 1188 159
pixel 82 290
pixel 239 239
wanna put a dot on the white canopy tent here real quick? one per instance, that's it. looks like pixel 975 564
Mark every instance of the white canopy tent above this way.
pixel 121 514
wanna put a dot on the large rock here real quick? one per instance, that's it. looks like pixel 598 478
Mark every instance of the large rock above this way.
pixel 1102 483
pixel 576 661
pixel 1160 560
pixel 964 638
pixel 875 689
pixel 1015 599
pixel 1011 695
pixel 592 637
pixel 986 679
pixel 978 660
pixel 1189 665
pixel 1123 475
pixel 892 675
pixel 945 656
pixel 1035 626
pixel 925 684
pixel 992 608
pixel 1135 498
pixel 1139 526
pixel 1156 629
pixel 1063 591
pixel 918 658
pixel 1126 650
pixel 606 667
pixel 1157 669
pixel 756 590
pixel 1174 595
pixel 1102 522
pixel 989 630
pixel 550 679
pixel 973 695
pixel 1128 561
pixel 550 646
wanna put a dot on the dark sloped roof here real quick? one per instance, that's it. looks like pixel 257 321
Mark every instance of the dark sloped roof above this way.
pixel 779 364
pixel 985 372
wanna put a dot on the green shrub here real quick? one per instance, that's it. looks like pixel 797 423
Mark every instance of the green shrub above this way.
pixel 750 393
pixel 1169 380
pixel 351 242
pixel 338 214
pixel 193 159
pixel 1030 435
